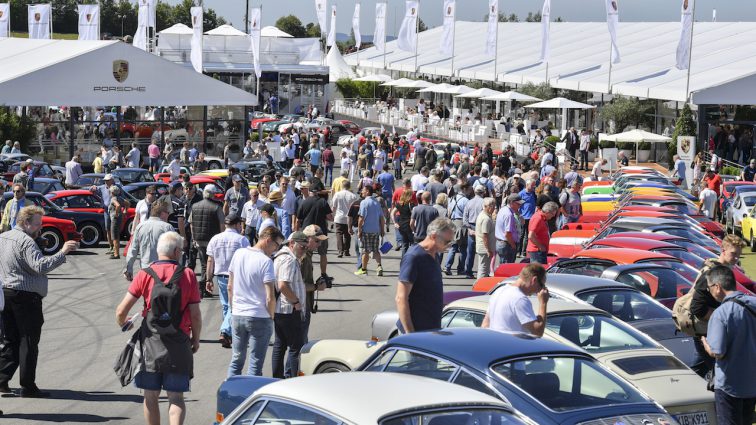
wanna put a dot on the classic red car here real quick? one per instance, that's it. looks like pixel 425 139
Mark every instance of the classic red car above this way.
pixel 86 201
pixel 350 126
pixel 255 123
pixel 56 232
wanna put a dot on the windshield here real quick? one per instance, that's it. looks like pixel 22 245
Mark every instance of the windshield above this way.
pixel 567 383
pixel 457 417
pixel 597 333
pixel 626 305
pixel 659 283
pixel 694 248
pixel 750 201
pixel 131 176
pixel 689 233
pixel 685 270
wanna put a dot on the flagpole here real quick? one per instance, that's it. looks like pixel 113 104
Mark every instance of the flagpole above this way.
pixel 690 51
pixel 454 36
pixel 609 82
pixel 385 28
pixel 417 34
pixel 496 50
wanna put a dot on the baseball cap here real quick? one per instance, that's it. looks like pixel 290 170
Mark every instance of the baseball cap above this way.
pixel 236 178
pixel 480 189
pixel 108 177
pixel 517 175
pixel 453 177
pixel 298 237
pixel 514 198
pixel 233 218
pixel 314 231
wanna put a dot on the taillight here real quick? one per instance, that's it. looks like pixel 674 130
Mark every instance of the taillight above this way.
pixel 219 417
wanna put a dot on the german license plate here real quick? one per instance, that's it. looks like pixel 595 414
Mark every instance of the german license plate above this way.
pixel 695 418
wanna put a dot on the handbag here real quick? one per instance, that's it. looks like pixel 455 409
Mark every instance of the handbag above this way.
pixel 129 361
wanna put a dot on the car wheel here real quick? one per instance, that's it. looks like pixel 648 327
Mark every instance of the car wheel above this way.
pixel 53 239
pixel 753 243
pixel 332 367
pixel 126 233
pixel 90 234
pixel 214 165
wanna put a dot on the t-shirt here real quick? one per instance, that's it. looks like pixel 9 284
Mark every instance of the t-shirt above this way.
pixel 141 287
pixel 749 173
pixel 714 183
pixel 371 212
pixel 570 201
pixel 527 209
pixel 426 300
pixel 506 221
pixel 423 215
pixel 315 155
pixel 251 270
pixel 484 225
pixel 142 210
pixel 236 200
pixel 731 330
pixel 435 188
pixel 708 202
pixel 387 184
pixel 540 227
pixel 153 151
pixel 314 210
pixel 680 169
pixel 509 309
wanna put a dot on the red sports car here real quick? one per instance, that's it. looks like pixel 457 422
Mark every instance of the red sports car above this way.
pixel 86 201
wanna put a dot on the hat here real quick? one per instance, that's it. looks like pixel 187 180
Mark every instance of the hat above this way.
pixel 314 231
pixel 275 196
pixel 236 178
pixel 233 218
pixel 298 237
pixel 270 209
pixel 173 185
pixel 31 161
pixel 514 198
pixel 453 177
pixel 304 185
pixel 107 177
pixel 713 169
pixel 517 175
pixel 572 183
pixel 480 189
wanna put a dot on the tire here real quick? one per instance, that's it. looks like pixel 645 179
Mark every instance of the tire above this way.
pixel 54 240
pixel 214 165
pixel 90 234
pixel 126 233
pixel 332 367
pixel 752 243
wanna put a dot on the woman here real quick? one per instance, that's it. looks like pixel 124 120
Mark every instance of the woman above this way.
pixel 401 214
pixel 116 209
pixel 346 164
pixel 267 217
pixel 698 164
pixel 366 180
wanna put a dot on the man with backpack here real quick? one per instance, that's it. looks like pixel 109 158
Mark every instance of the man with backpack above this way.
pixel 171 328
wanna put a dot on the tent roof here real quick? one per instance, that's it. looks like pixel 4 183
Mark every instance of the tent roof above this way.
pixel 336 66
pixel 378 78
pixel 513 95
pixel 416 84
pixel 636 136
pixel 179 29
pixel 81 73
pixel 723 53
pixel 271 31
pixel 226 30
pixel 560 103
pixel 477 94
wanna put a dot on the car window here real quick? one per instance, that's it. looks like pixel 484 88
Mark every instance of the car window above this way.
pixel 457 417
pixel 686 257
pixel 380 362
pixel 277 413
pixel 412 363
pixel 585 267
pixel 470 381
pixel 683 269
pixel 628 306
pixel 749 201
pixel 596 333
pixel 250 414
pixel 465 319
pixel 46 170
pixel 567 383
pixel 76 202
pixel 657 283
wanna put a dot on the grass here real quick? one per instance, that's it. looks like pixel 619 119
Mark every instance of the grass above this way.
pixel 748 262
pixel 56 36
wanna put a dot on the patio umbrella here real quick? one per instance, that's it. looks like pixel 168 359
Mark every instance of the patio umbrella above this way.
pixel 512 95
pixel 637 136
pixel 415 84
pixel 479 94
pixel 563 104
pixel 394 83
pixel 436 88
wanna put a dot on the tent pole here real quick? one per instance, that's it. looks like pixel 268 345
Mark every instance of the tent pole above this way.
pixel 162 127
pixel 118 127
pixel 417 34
pixel 204 127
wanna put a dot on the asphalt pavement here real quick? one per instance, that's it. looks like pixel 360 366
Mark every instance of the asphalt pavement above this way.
pixel 80 339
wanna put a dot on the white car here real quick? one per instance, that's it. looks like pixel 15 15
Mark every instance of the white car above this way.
pixel 362 398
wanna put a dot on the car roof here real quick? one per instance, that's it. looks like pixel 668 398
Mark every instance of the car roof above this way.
pixel 554 306
pixel 573 283
pixel 366 397
pixel 745 189
pixel 135 185
pixel 634 243
pixel 479 348
pixel 644 235
pixel 622 255
pixel 128 169
pixel 647 220
pixel 45 179
pixel 71 192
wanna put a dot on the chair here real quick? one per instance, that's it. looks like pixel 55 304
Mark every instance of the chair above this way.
pixel 543 386
pixel 570 330
pixel 604 302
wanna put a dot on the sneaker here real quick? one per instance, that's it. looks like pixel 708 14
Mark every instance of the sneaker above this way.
pixel 115 257
pixel 5 389
pixel 448 272
pixel 398 248
pixel 346 254
pixel 361 272
pixel 379 270
pixel 33 393
pixel 341 254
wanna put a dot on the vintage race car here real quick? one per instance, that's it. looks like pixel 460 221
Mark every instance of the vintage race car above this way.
pixel 85 201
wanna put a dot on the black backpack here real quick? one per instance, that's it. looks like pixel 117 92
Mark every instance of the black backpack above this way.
pixel 164 316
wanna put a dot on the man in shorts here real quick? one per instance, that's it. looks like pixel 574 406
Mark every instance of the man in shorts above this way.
pixel 370 229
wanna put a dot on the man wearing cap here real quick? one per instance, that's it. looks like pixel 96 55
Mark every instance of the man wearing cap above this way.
pixel 315 210
pixel 145 237
pixel 507 228
pixel 205 221
pixel 220 250
pixel 317 237
pixel 573 175
pixel 103 191
pixel 236 196
pixel 175 197
pixel 472 209
pixel 284 220
pixel 749 171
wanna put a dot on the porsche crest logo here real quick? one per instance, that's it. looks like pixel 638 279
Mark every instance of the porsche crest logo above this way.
pixel 120 70
pixel 685 5
pixel 254 23
pixel 448 11
pixel 493 9
pixel 1 13
pixel 412 12
pixel 194 21
pixel 89 17
pixel 37 17
pixel 614 5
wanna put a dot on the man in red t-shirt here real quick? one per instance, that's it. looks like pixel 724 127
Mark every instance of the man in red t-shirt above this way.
pixel 713 181
pixel 538 233
pixel 170 249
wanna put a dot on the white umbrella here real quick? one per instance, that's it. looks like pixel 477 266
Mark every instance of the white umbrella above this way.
pixel 454 90
pixel 416 84
pixel 637 136
pixel 436 88
pixel 512 95
pixel 479 94
pixel 375 78
pixel 394 83
pixel 563 104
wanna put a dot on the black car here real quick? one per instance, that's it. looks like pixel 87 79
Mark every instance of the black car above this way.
pixel 139 190
pixel 85 181
pixel 132 175
pixel 253 170
pixel 90 225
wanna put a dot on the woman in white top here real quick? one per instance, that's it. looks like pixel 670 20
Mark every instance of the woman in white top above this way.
pixel 268 215
pixel 346 164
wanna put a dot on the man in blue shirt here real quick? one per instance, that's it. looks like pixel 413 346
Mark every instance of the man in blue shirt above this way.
pixel 507 229
pixel 680 170
pixel 314 156
pixel 386 180
pixel 370 229
pixel 730 340
pixel 456 210
pixel 469 217
pixel 749 171
pixel 527 209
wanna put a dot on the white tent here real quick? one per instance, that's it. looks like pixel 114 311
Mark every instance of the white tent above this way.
pixel 512 95
pixel 271 31
pixel 394 83
pixel 338 69
pixel 563 104
pixel 177 29
pixel 455 90
pixel 436 88
pixel 416 84
pixel 637 136
pixel 49 72
pixel 176 37
pixel 225 38
pixel 226 31
pixel 374 78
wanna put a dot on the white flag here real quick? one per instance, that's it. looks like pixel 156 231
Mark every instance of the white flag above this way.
pixel 407 38
pixel 255 20
pixel 151 9
pixel 493 27
pixel 89 22
pixel 197 23
pixel 320 10
pixel 39 20
pixel 4 20
pixel 545 27
pixel 447 35
pixel 612 21
pixel 332 30
pixel 356 26
pixel 140 37
pixel 684 45
pixel 379 36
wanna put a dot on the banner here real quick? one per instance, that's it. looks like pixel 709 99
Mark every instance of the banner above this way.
pixel 89 22
pixel 493 27
pixel 612 21
pixel 407 38
pixel 686 41
pixel 379 35
pixel 197 24
pixel 331 40
pixel 320 10
pixel 140 37
pixel 4 20
pixel 447 35
pixel 545 30
pixel 255 24
pixel 151 9
pixel 356 26
pixel 686 150
pixel 39 20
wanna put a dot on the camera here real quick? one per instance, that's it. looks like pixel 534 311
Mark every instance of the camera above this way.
pixel 327 280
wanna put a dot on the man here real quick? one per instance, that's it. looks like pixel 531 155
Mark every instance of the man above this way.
pixel 485 240
pixel 386 179
pixel 622 159
pixel 191 197
pixel 73 171
pixel 104 191
pixel 597 171
pixel 153 152
pixel 571 204
pixel 251 215
pixel 13 207
pixel 703 303
pixel 289 202
pixel 708 205
pixel 290 314
pixel 507 229
pixel 316 237
pixel 168 353
pixel 473 207
pixel 205 221
pixel 142 209
pixel 315 210
pixel 338 182
pixel 340 205
pixel 420 292
pixel 585 146
pixel 572 141
pixel 371 228
pixel 174 168
pixel 547 169
pixel 406 185
pixel 314 156
pixel 236 196
pixel 23 273
pixel 134 157
pixel 275 199
pixel 435 185
pixel 7 148
pixel 420 180
pixel 713 180
pixel 459 244
pixel 730 341
pixel 509 308
pixel 538 232
pixel 145 238
pixel 679 172
pixel 422 216
pixel 220 250
pixel 749 171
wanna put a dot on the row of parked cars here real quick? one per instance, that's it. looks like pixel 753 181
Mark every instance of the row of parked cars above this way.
pixel 610 354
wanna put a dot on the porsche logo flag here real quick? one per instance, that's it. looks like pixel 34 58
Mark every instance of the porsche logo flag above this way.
pixel 255 17
pixel 379 35
pixel 39 21
pixel 407 38
pixel 447 36
pixel 612 22
pixel 356 26
pixel 320 11
pixel 4 20
pixel 686 28
pixel 89 22
pixel 196 55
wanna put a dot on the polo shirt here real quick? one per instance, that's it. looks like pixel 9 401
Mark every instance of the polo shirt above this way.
pixel 371 212
pixel 506 221
pixel 222 247
pixel 527 209
pixel 540 227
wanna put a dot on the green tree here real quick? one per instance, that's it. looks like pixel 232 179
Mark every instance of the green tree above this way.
pixel 541 91
pixel 292 25
pixel 421 26
pixel 312 30
pixel 625 111
pixel 685 126
pixel 533 17
pixel 13 127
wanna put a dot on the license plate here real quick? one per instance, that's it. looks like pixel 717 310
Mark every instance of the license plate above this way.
pixel 695 418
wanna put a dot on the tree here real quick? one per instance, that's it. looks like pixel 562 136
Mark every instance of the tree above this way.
pixel 312 30
pixel 292 25
pixel 625 111
pixel 421 25
pixel 13 127
pixel 541 91
pixel 533 17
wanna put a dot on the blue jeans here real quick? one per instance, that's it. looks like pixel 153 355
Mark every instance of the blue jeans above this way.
pixel 225 327
pixel 450 258
pixel 470 255
pixel 252 332
pixel 703 363
pixel 732 410
pixel 154 381
pixel 537 257
pixel 506 253
pixel 357 250
pixel 328 174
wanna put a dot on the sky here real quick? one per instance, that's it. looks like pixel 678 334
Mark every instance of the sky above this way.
pixel 473 10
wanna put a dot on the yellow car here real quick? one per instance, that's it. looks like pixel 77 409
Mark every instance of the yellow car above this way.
pixel 216 173
pixel 748 228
